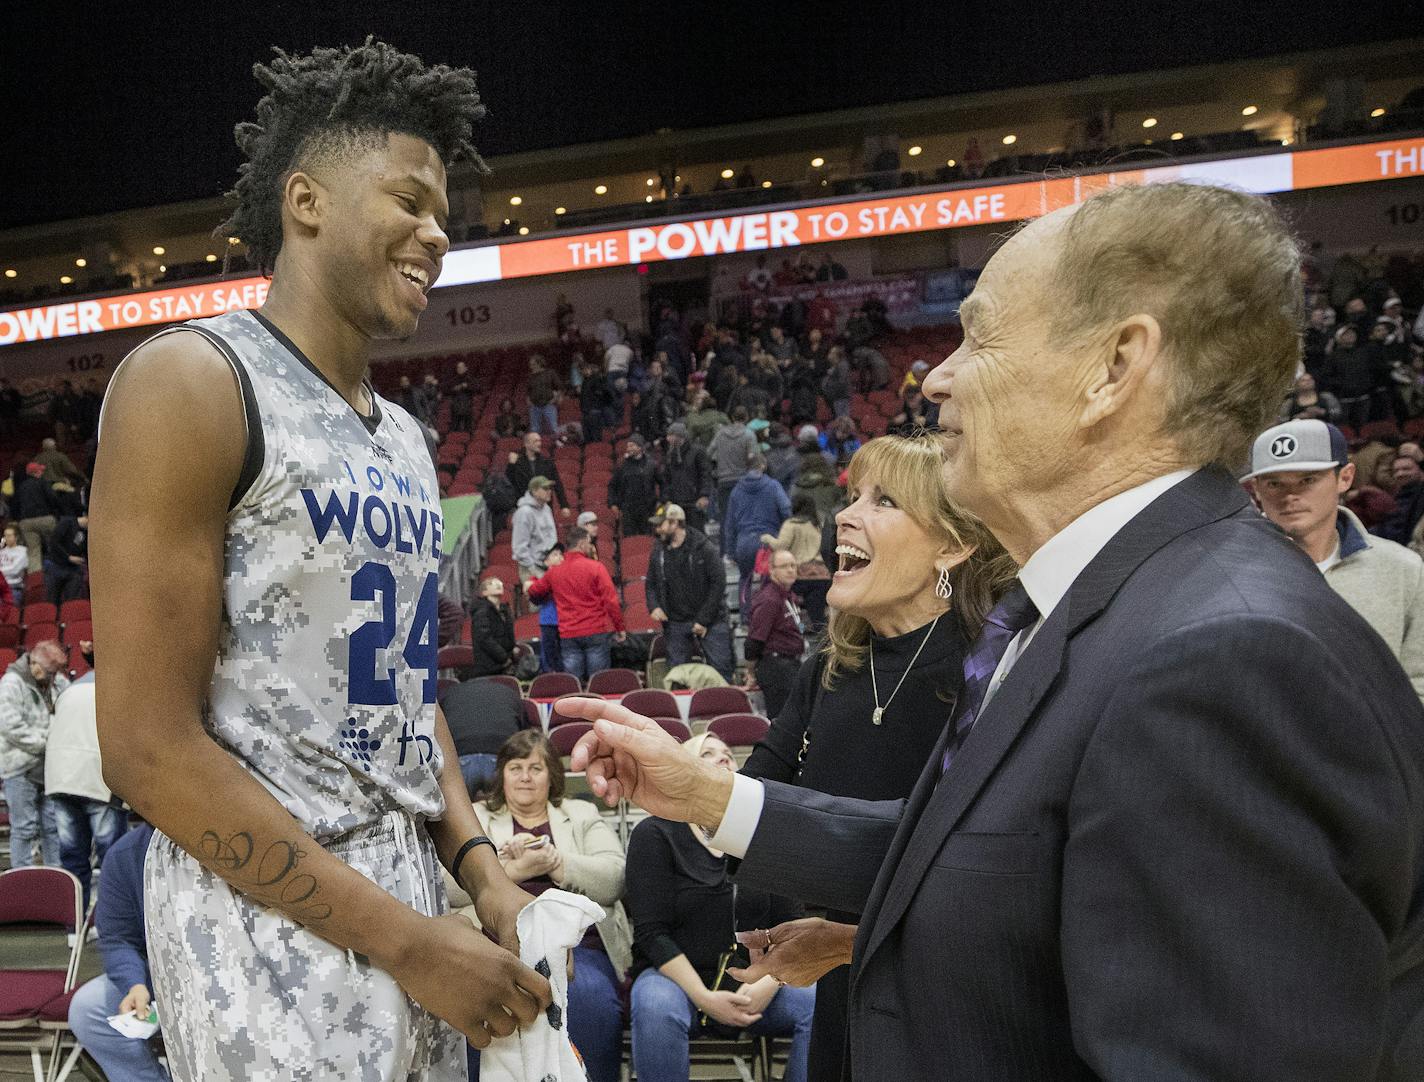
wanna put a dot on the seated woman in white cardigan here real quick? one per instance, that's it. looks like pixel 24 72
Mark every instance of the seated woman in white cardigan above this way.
pixel 545 841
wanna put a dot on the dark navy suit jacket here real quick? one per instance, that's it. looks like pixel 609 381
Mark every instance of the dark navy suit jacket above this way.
pixel 1184 840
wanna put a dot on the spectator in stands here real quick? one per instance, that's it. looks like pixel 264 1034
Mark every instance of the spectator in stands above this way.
pixel 830 270
pixel 589 521
pixel 913 415
pixel 407 398
pixel 596 402
pixel 783 461
pixel 765 376
pixel 781 346
pixel 704 420
pixel 757 506
pixel 802 386
pixel 544 389
pixel 551 654
pixel 590 615
pixel 608 330
pixel 685 476
pixel 461 396
pixel 633 488
pixel 88 817
pixel 67 566
pixel 731 452
pixel 491 630
pixel 1354 375
pixel 507 421
pixel 28 691
pixel 64 411
pixel 1402 526
pixel 33 506
pixel 125 986
pixel 916 577
pixel 759 278
pixel 14 563
pixel 547 842
pixel 658 405
pixel 1307 403
pixel 835 384
pixel 1316 343
pixel 426 399
pixel 531 462
pixel 617 360
pixel 816 476
pixel 482 715
pixel 1300 470
pixel 57 465
pixel 534 529
pixel 686 590
pixel 915 376
pixel 685 911
pixel 872 368
pixel 840 440
pixel 775 640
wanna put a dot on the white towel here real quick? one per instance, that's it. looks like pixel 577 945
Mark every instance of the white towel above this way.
pixel 549 927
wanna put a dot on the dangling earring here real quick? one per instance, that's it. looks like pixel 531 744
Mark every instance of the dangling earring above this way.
pixel 943 587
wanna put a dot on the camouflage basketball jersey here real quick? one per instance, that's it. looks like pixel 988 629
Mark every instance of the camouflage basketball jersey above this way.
pixel 326 670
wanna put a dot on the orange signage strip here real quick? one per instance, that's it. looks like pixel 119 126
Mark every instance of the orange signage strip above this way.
pixel 874 216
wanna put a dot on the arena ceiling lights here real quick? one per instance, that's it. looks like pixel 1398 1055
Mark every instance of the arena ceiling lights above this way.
pixel 921 210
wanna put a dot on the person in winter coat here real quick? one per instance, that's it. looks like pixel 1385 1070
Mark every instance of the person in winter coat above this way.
pixel 685 476
pixel 758 505
pixel 835 384
pixel 28 691
pixel 687 593
pixel 816 477
pixel 731 453
pixel 86 813
pixel 491 630
pixel 1355 374
pixel 704 420
pixel 802 381
pixel 531 462
pixel 534 530
pixel 783 461
pixel 633 489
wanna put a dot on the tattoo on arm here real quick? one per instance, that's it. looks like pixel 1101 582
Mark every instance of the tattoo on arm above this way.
pixel 270 877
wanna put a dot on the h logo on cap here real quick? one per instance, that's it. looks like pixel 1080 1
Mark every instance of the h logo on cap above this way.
pixel 1283 446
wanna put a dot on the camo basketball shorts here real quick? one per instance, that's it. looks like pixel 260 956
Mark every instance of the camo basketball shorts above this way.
pixel 246 995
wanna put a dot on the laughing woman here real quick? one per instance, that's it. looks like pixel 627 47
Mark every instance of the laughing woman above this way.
pixel 917 577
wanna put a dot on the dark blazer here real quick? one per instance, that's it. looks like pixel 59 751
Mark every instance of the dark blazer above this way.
pixel 1184 840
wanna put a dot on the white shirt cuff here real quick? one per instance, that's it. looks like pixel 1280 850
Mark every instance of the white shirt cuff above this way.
pixel 739 821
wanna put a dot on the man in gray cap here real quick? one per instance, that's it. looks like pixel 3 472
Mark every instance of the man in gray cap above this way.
pixel 685 476
pixel 1300 470
pixel 687 592
pixel 589 521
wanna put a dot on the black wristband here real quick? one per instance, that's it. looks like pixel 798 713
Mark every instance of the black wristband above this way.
pixel 460 856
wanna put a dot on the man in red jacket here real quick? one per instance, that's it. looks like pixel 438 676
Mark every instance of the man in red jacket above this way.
pixel 589 613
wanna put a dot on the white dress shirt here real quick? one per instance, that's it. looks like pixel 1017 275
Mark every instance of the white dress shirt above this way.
pixel 1047 577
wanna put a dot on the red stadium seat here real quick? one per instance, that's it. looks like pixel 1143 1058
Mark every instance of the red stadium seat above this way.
pixel 739 730
pixel 614 682
pixel 505 679
pixel 8 656
pixel 564 737
pixel 652 703
pixel 550 685
pixel 556 718
pixel 532 720
pixel 77 632
pixel 40 632
pixel 713 702
pixel 75 610
pixel 40 612
pixel 676 727
pixel 9 635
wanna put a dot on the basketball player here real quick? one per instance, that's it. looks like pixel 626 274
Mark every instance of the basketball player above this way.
pixel 266 540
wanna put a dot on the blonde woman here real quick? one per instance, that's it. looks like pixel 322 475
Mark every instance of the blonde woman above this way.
pixel 917 576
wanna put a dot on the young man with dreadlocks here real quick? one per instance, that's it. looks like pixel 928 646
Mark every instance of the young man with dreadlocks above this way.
pixel 289 750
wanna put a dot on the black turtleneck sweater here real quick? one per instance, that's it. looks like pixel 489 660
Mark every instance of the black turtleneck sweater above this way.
pixel 849 756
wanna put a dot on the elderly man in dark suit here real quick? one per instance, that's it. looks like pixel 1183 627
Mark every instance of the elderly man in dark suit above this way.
pixel 1174 828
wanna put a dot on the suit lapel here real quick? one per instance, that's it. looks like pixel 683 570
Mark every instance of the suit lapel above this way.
pixel 934 809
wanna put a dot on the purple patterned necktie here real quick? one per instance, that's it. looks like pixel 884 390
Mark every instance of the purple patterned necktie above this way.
pixel 1014 612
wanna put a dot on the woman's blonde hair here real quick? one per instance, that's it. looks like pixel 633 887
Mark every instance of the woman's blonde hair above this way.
pixel 908 469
